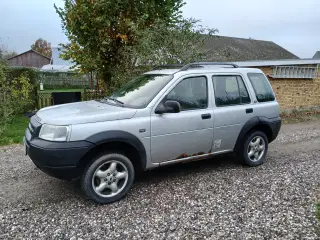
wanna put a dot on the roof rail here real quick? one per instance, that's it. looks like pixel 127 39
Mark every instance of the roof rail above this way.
pixel 168 66
pixel 201 64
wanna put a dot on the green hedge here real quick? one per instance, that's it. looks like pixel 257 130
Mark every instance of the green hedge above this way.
pixel 32 74
pixel 63 80
pixel 14 72
pixel 51 80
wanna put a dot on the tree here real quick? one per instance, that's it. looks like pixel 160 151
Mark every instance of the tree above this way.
pixel 182 42
pixel 42 46
pixel 5 53
pixel 113 37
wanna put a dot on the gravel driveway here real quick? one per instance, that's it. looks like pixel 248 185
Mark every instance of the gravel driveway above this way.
pixel 211 199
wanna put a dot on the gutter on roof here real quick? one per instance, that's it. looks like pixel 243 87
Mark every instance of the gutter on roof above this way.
pixel 261 63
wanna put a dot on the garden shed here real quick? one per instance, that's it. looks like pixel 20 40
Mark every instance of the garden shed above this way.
pixel 29 58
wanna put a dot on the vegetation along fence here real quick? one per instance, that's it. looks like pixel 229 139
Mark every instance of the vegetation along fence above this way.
pixel 45 99
pixel 58 80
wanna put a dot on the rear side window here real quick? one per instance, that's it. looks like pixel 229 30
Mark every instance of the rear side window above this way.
pixel 261 87
pixel 229 90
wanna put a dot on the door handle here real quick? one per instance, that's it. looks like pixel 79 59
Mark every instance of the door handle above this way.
pixel 206 116
pixel 249 110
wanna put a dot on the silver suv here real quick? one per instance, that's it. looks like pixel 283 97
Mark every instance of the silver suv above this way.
pixel 163 117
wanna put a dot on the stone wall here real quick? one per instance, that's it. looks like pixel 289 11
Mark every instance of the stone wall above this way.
pixel 295 93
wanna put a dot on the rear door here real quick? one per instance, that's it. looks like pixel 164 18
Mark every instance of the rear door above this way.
pixel 233 108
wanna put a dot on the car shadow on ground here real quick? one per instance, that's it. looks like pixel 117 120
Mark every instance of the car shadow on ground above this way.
pixel 194 167
pixel 53 190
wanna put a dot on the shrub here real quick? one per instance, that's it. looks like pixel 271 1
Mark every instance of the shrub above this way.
pixel 16 95
pixel 30 75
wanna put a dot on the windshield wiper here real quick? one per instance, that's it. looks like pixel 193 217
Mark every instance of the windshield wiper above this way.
pixel 115 100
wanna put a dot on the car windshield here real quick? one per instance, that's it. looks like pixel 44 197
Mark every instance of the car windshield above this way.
pixel 139 92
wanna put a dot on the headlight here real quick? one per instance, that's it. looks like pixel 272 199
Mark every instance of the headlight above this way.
pixel 54 133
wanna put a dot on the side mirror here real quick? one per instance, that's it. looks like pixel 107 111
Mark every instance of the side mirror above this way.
pixel 168 107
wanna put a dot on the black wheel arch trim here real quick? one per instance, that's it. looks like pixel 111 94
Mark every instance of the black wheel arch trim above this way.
pixel 120 136
pixel 273 124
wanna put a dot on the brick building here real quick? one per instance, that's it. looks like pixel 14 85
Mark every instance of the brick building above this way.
pixel 296 82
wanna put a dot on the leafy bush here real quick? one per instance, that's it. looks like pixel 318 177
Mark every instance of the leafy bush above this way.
pixel 16 95
pixel 14 72
pixel 30 75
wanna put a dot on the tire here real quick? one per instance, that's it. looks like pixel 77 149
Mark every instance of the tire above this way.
pixel 108 178
pixel 253 151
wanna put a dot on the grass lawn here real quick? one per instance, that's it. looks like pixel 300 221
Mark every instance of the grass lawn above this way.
pixel 14 131
pixel 61 90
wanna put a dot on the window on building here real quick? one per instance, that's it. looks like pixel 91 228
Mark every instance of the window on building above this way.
pixel 261 87
pixel 230 90
pixel 294 72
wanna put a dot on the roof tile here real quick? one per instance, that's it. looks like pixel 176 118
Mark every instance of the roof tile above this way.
pixel 221 48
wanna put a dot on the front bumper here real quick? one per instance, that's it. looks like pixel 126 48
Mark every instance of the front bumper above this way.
pixel 57 159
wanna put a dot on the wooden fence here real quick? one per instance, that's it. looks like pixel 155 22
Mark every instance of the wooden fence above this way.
pixel 46 99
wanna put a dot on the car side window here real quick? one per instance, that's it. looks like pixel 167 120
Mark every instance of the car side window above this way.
pixel 191 93
pixel 229 90
pixel 261 87
pixel 244 95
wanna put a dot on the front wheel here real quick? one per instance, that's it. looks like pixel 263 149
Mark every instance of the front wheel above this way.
pixel 254 149
pixel 108 178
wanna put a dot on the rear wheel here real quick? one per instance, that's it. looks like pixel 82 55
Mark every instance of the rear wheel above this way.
pixel 254 149
pixel 108 178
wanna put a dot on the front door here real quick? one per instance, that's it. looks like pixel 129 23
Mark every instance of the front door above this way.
pixel 189 132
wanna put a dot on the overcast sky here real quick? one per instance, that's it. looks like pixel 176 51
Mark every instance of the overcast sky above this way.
pixel 293 24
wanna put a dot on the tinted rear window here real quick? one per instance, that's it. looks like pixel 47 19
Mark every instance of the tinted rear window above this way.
pixel 261 87
pixel 229 90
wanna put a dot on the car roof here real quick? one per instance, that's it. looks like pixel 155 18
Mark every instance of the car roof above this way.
pixel 204 70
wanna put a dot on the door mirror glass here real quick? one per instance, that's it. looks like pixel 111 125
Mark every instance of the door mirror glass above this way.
pixel 172 106
pixel 168 107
